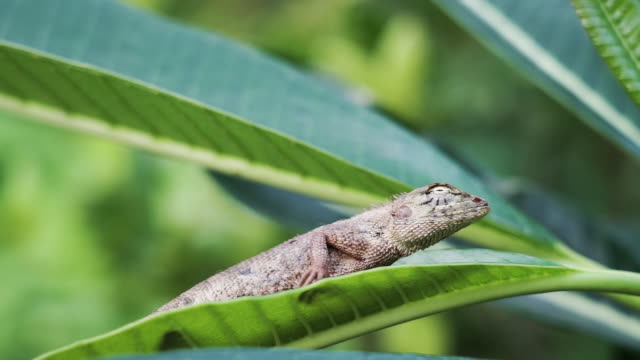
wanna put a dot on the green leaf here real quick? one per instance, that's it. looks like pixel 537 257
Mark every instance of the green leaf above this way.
pixel 337 309
pixel 579 311
pixel 573 310
pixel 613 244
pixel 543 39
pixel 614 27
pixel 297 211
pixel 285 354
pixel 96 102
pixel 103 68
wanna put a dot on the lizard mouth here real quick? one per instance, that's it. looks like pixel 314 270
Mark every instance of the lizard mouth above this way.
pixel 483 209
pixel 477 211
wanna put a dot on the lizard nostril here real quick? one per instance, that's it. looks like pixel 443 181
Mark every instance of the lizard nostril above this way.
pixel 477 200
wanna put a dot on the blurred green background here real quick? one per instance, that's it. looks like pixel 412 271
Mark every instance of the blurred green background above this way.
pixel 91 228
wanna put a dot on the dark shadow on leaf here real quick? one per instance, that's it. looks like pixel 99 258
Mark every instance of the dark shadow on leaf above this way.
pixel 173 340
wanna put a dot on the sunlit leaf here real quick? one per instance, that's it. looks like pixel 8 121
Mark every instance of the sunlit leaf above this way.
pixel 573 310
pixel 614 27
pixel 337 309
pixel 216 103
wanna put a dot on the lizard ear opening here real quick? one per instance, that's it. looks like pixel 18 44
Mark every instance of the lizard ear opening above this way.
pixel 402 212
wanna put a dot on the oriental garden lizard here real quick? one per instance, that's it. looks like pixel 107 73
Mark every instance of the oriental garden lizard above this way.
pixel 376 237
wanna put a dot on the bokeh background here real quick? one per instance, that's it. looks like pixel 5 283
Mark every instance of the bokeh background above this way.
pixel 105 233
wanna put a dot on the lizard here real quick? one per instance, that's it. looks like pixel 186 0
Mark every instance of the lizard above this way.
pixel 377 237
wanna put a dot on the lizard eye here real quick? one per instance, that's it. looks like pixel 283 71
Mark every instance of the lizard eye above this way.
pixel 438 195
pixel 440 190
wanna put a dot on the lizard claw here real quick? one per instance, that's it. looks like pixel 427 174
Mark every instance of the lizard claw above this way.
pixel 315 273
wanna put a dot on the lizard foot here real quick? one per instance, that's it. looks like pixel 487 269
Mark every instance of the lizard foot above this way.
pixel 315 273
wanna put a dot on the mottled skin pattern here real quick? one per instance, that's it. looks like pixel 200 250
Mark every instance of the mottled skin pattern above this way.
pixel 376 237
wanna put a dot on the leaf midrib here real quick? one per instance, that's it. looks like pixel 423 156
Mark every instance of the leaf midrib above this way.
pixel 621 39
pixel 366 198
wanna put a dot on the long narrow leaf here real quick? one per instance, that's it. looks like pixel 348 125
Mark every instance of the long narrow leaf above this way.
pixel 614 27
pixel 104 68
pixel 337 309
pixel 578 311
pixel 571 310
pixel 544 40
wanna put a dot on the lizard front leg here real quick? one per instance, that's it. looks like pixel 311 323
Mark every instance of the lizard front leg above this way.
pixel 366 248
pixel 348 243
pixel 318 269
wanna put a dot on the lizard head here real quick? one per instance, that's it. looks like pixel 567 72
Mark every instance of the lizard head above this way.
pixel 429 214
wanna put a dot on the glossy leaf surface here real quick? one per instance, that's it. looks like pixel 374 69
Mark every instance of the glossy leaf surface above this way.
pixel 104 68
pixel 337 309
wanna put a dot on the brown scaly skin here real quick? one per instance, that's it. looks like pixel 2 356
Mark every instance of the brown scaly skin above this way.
pixel 377 237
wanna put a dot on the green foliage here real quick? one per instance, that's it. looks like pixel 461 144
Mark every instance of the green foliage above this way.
pixel 336 309
pixel 99 220
pixel 76 237
pixel 394 70
pixel 207 136
pixel 614 27
pixel 573 309
pixel 106 105
pixel 250 354
pixel 543 40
